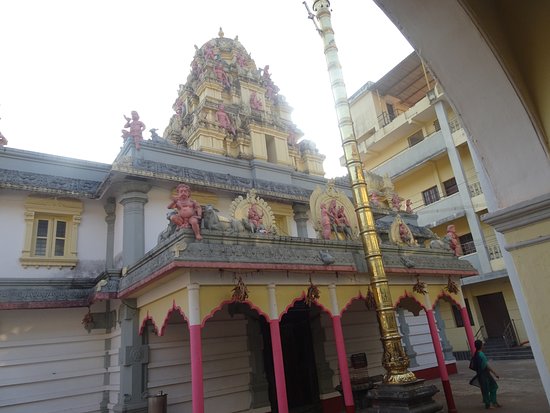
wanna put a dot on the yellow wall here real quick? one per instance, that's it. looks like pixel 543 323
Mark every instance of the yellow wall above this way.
pixel 533 263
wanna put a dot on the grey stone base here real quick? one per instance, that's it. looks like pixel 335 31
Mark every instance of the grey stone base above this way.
pixel 415 397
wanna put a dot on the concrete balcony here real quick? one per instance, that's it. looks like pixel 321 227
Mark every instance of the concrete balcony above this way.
pixel 412 157
pixel 445 210
pixel 389 129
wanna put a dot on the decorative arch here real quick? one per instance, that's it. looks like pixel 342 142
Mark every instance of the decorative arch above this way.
pixel 410 303
pixel 300 298
pixel 358 297
pixel 160 331
pixel 443 295
pixel 218 308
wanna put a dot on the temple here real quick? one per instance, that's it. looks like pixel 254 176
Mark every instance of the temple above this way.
pixel 213 267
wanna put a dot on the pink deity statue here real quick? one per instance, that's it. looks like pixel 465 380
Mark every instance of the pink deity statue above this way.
pixel 266 75
pixel 188 212
pixel 241 60
pixel 221 75
pixel 209 52
pixel 375 199
pixel 325 222
pixel 255 218
pixel 408 206
pixel 3 140
pixel 338 219
pixel 136 129
pixel 396 202
pixel 404 234
pixel 224 121
pixel 454 242
pixel 255 102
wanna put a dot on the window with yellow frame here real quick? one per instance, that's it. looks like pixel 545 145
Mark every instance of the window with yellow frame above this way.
pixel 51 232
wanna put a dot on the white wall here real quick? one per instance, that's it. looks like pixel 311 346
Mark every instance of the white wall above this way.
pixel 50 364
pixel 92 233
pixel 226 364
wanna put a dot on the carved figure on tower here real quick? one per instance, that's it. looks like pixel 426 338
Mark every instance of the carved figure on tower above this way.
pixel 188 212
pixel 224 121
pixel 222 76
pixel 255 102
pixel 136 129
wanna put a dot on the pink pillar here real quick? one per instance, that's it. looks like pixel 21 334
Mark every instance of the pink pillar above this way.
pixel 441 363
pixel 468 328
pixel 197 389
pixel 343 364
pixel 278 365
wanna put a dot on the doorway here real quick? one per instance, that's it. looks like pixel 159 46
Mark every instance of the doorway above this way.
pixel 302 386
pixel 494 313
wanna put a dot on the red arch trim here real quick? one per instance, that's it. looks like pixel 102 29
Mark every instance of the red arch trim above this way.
pixel 445 295
pixel 406 294
pixel 220 306
pixel 160 332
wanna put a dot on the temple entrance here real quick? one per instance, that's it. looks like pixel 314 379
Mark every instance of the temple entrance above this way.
pixel 495 314
pixel 302 386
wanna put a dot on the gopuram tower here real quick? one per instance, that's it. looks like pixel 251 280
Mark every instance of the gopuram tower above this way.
pixel 230 107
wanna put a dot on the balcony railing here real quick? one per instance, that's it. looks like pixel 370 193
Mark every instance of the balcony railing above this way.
pixel 385 118
pixel 475 189
pixel 494 251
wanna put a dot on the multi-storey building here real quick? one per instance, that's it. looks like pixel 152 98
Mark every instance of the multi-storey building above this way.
pixel 408 132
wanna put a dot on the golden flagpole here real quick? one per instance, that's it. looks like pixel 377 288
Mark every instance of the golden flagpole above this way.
pixel 395 361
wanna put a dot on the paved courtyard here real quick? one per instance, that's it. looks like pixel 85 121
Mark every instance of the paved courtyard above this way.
pixel 520 389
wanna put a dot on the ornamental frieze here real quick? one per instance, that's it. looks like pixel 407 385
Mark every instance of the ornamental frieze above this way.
pixel 48 183
pixel 214 179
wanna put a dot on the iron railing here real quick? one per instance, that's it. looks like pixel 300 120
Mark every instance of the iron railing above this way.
pixel 510 334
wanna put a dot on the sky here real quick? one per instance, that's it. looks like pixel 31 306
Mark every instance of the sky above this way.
pixel 72 68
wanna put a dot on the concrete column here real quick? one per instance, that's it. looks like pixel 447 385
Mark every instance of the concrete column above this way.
pixel 110 208
pixel 439 355
pixel 195 347
pixel 341 350
pixel 133 357
pixel 460 176
pixel 301 217
pixel 277 350
pixel 133 238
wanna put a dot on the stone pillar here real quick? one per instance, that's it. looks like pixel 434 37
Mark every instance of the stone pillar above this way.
pixel 445 344
pixel 301 217
pixel 277 350
pixel 405 330
pixel 460 176
pixel 341 350
pixel 439 355
pixel 195 347
pixel 110 209
pixel 133 238
pixel 133 358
